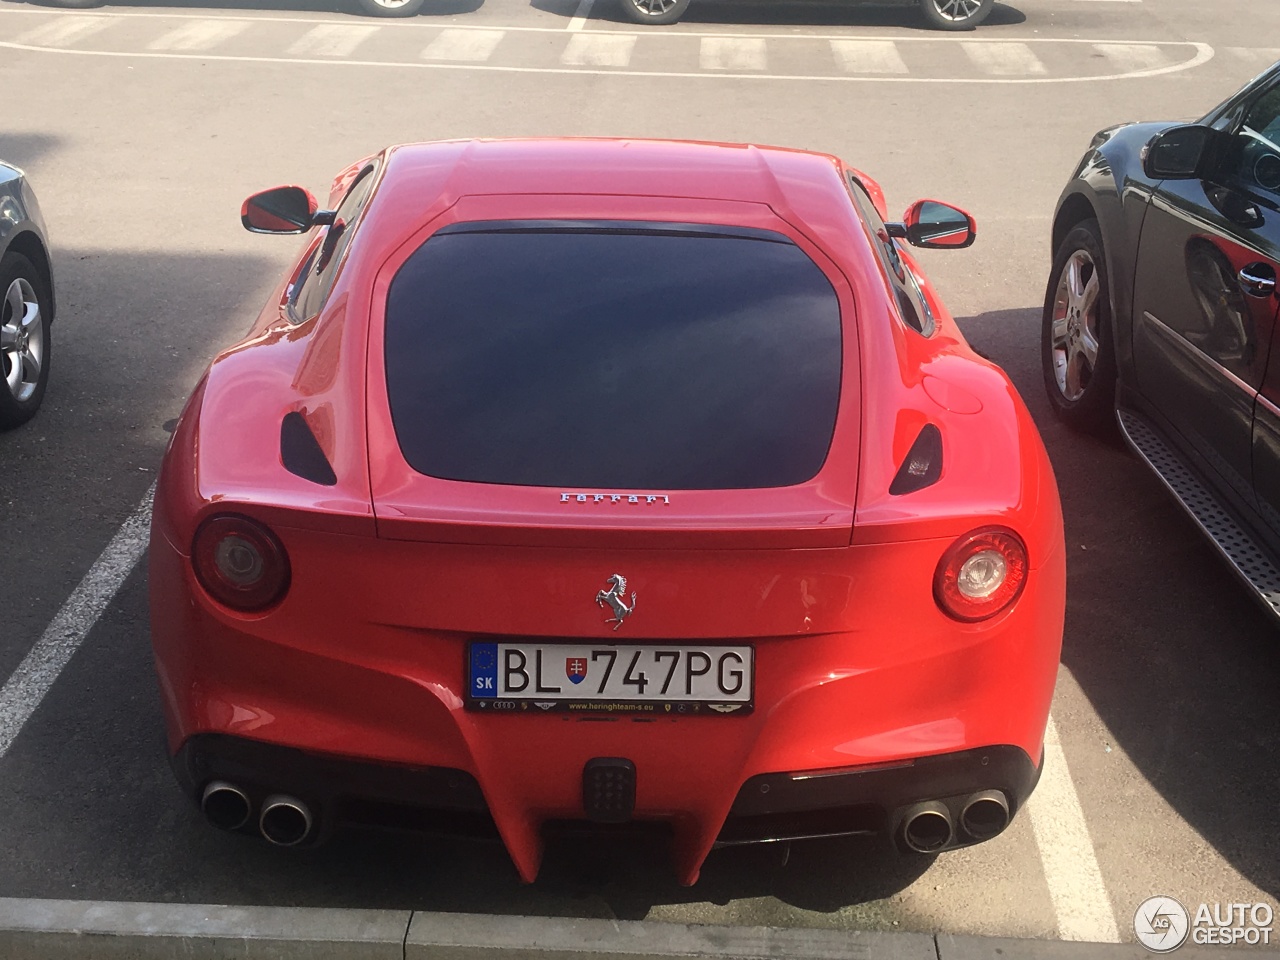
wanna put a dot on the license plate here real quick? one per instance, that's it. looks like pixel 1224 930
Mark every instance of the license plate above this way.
pixel 641 680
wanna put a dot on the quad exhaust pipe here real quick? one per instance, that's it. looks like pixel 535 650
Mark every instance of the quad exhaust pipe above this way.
pixel 285 820
pixel 927 827
pixel 225 805
pixel 985 814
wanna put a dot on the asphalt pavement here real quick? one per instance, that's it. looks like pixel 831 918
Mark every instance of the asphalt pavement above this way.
pixel 143 127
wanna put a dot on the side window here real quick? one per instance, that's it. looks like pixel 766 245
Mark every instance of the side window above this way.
pixel 902 282
pixel 1253 154
pixel 315 280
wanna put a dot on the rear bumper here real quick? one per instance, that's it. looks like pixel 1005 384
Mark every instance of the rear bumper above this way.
pixel 768 807
pixel 900 706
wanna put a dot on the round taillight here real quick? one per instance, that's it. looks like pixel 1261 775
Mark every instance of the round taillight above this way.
pixel 240 562
pixel 981 574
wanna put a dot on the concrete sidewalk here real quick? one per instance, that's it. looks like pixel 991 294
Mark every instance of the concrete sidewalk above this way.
pixel 86 930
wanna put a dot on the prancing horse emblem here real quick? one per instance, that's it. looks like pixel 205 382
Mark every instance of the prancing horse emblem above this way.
pixel 616 598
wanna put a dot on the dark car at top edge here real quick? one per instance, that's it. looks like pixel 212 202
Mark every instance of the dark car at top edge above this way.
pixel 939 14
pixel 1161 308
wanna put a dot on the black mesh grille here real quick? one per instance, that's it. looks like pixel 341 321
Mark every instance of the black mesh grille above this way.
pixel 609 789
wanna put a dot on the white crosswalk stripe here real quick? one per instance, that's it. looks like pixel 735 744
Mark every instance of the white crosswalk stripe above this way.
pixel 470 46
pixel 868 56
pixel 598 50
pixel 198 35
pixel 64 31
pixel 331 40
pixel 646 53
pixel 733 53
pixel 1004 59
pixel 1134 56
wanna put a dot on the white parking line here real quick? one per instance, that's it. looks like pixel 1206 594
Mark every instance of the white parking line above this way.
pixel 1133 56
pixel 1066 851
pixel 1003 59
pixel 198 35
pixel 23 691
pixel 580 16
pixel 64 30
pixel 868 56
pixel 732 53
pixel 470 46
pixel 598 50
pixel 331 40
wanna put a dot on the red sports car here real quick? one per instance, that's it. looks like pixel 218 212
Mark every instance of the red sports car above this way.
pixel 610 481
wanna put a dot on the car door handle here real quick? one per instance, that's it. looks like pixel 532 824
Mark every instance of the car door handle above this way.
pixel 1258 280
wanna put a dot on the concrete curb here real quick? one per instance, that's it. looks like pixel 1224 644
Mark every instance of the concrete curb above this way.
pixel 86 930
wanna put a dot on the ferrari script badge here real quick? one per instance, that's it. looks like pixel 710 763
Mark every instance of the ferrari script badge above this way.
pixel 616 598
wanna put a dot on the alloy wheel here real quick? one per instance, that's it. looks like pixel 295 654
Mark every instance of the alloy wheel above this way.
pixel 653 8
pixel 957 11
pixel 1075 331
pixel 21 339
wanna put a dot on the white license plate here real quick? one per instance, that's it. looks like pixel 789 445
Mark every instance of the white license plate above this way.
pixel 650 679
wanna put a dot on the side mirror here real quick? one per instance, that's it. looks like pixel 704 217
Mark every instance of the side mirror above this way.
pixel 279 210
pixel 1177 153
pixel 937 226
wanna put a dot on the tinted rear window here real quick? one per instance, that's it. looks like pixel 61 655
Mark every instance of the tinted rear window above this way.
pixel 608 355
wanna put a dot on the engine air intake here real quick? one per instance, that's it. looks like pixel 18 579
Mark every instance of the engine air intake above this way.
pixel 922 466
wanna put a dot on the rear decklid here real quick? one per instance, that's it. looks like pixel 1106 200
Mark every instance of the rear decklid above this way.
pixel 613 372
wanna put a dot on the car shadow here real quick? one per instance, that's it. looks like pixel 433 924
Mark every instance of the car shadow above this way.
pixel 125 343
pixel 808 13
pixel 1174 654
pixel 26 149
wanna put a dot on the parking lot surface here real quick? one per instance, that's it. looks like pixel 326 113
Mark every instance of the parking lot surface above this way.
pixel 143 127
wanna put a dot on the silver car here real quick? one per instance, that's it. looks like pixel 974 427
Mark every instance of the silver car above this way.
pixel 26 300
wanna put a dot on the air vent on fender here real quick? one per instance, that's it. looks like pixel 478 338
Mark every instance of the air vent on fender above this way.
pixel 300 451
pixel 922 465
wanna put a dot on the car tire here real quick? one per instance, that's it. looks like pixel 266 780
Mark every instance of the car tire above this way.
pixel 24 339
pixel 1077 347
pixel 955 14
pixel 389 8
pixel 654 13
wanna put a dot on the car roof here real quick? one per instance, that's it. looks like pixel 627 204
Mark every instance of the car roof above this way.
pixel 616 167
